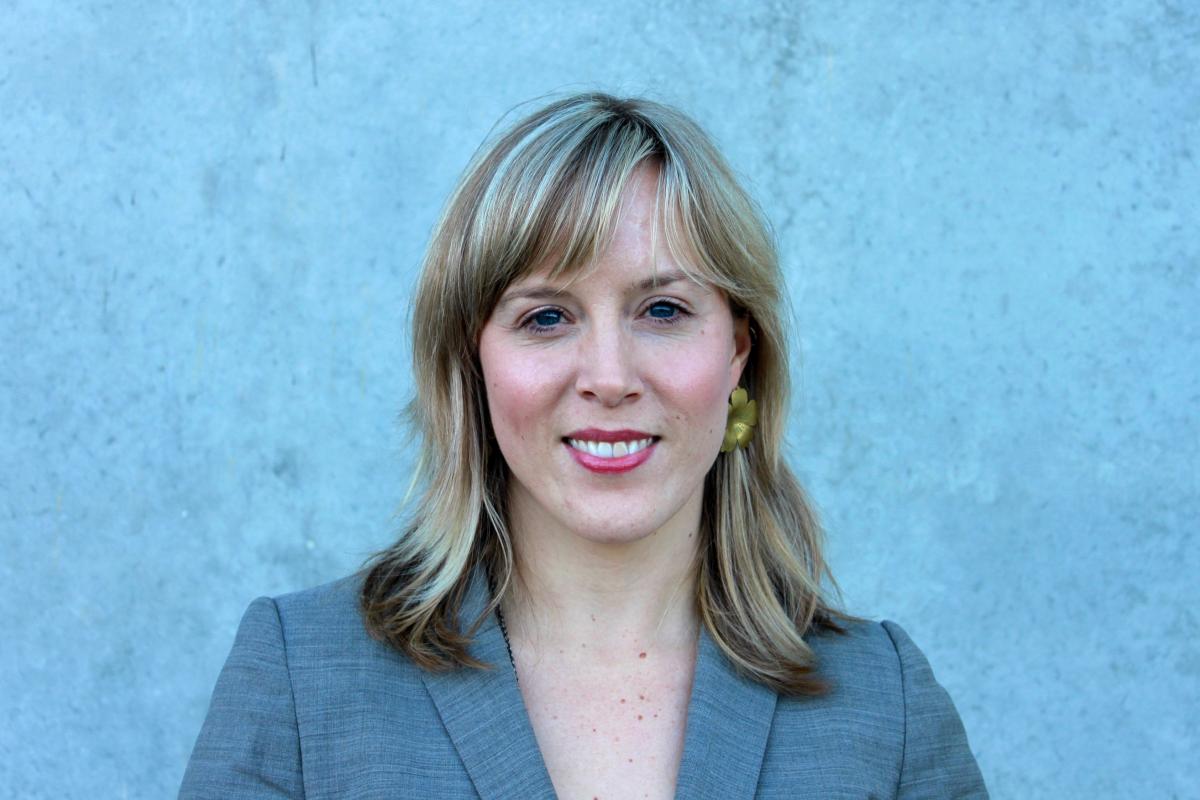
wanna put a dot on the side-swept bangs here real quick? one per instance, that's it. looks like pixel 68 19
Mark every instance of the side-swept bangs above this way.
pixel 546 196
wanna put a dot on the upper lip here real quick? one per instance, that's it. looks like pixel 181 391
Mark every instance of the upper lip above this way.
pixel 599 435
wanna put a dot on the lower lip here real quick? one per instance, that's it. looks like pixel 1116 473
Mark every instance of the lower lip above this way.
pixel 611 465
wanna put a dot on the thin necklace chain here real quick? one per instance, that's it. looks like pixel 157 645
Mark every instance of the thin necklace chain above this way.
pixel 507 642
pixel 503 627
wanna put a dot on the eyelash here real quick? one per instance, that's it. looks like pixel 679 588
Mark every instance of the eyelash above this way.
pixel 528 322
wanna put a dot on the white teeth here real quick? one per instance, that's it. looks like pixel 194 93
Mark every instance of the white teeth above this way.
pixel 611 449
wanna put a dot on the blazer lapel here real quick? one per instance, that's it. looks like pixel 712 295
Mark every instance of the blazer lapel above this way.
pixel 485 716
pixel 729 719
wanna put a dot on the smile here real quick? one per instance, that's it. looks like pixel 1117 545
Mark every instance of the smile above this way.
pixel 609 452
pixel 610 449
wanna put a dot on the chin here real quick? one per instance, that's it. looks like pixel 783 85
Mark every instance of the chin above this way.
pixel 610 532
pixel 604 518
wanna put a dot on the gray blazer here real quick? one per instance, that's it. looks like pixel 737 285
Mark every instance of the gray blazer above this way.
pixel 309 705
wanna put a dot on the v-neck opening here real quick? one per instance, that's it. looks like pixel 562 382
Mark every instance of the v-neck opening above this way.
pixel 726 725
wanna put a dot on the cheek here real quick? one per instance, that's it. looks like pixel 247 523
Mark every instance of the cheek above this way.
pixel 518 394
pixel 699 385
pixel 514 405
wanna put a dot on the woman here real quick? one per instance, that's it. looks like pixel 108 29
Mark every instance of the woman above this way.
pixel 611 585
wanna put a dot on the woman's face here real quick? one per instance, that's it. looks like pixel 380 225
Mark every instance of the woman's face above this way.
pixel 608 395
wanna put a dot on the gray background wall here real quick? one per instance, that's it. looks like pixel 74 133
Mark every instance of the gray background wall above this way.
pixel 210 219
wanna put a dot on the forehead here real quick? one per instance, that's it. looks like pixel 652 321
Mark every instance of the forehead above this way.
pixel 634 261
pixel 636 254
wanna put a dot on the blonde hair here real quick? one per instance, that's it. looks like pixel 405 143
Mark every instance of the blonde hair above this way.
pixel 546 192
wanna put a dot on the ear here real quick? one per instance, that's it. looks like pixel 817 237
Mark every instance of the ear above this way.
pixel 741 347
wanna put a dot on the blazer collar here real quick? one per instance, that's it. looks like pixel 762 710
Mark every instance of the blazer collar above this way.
pixel 728 721
pixel 485 715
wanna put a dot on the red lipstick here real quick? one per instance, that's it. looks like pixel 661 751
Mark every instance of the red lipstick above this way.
pixel 613 464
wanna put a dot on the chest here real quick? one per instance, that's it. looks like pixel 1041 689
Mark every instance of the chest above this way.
pixel 609 732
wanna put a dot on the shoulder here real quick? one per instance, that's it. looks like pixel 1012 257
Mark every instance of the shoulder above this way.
pixel 323 626
pixel 318 640
pixel 330 607
pixel 307 701
pixel 887 704
pixel 864 653
pixel 864 671
pixel 868 657
pixel 314 634
pixel 876 666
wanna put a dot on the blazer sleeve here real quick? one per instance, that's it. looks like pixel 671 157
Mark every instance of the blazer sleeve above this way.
pixel 937 761
pixel 249 746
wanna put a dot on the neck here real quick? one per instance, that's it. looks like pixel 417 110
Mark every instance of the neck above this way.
pixel 593 597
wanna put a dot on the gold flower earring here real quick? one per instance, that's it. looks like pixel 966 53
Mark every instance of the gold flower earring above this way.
pixel 743 416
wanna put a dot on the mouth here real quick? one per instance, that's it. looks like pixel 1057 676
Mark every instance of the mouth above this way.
pixel 610 451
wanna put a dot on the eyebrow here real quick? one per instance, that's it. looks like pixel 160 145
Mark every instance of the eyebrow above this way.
pixel 552 293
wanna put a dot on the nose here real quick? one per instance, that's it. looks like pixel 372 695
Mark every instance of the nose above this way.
pixel 607 371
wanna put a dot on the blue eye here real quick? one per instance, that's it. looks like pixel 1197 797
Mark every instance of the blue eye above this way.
pixel 663 310
pixel 543 321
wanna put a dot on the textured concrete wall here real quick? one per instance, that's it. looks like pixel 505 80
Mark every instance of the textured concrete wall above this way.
pixel 210 218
